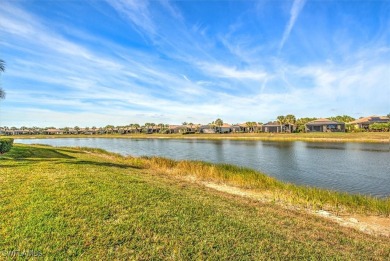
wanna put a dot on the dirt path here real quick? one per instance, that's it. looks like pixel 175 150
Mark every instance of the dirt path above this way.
pixel 372 225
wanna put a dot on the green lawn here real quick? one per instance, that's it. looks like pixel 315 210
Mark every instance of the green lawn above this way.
pixel 72 204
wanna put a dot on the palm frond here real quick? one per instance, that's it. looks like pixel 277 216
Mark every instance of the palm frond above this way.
pixel 2 65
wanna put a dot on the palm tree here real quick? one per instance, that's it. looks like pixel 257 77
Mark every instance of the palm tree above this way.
pixel 281 119
pixel 162 127
pixel 136 126
pixel 251 126
pixel 2 69
pixel 290 119
pixel 2 65
pixel 197 128
pixel 109 129
pixel 145 127
pixel 218 122
pixel 152 125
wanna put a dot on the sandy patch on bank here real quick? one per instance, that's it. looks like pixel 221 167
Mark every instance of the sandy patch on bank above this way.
pixel 372 225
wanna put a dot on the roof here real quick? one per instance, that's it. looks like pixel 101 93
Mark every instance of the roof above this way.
pixel 226 125
pixel 246 125
pixel 53 130
pixel 175 126
pixel 371 119
pixel 323 121
pixel 272 123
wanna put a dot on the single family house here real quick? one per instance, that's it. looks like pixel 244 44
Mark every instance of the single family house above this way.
pixel 364 123
pixel 325 125
pixel 277 127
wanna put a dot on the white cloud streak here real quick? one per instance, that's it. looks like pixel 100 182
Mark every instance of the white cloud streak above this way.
pixel 137 12
pixel 294 13
pixel 72 82
pixel 222 71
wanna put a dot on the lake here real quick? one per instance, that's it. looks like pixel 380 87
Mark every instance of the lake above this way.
pixel 350 167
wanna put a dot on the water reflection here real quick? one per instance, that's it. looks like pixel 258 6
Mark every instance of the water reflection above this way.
pixel 326 146
pixel 350 146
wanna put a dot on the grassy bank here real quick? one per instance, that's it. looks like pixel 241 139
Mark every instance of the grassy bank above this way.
pixel 378 137
pixel 83 204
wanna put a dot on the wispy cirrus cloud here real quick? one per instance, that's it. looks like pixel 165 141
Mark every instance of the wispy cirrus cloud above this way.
pixel 137 12
pixel 185 65
pixel 230 72
pixel 296 9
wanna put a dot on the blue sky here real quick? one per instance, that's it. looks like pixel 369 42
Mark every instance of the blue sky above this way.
pixel 118 62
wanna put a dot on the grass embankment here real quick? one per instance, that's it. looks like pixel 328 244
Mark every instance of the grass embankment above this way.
pixel 67 203
pixel 376 137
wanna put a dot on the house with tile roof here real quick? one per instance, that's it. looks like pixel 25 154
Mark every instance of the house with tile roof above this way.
pixel 277 127
pixel 325 125
pixel 250 127
pixel 364 123
pixel 225 128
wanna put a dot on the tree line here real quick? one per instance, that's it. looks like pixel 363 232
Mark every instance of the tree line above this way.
pixel 250 126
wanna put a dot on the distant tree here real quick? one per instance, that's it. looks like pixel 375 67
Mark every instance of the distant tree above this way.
pixel 146 127
pixel 301 123
pixel 380 127
pixel 109 129
pixel 251 126
pixel 281 119
pixel 2 69
pixel 254 126
pixel 218 123
pixel 290 119
pixel 5 145
pixel 388 115
pixel 344 118
pixel 77 129
pixel 137 127
pixel 197 128
pixel 162 128
pixel 191 125
pixel 2 65
pixel 184 123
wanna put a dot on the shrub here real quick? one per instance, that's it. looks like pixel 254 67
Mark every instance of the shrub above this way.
pixel 5 145
pixel 380 127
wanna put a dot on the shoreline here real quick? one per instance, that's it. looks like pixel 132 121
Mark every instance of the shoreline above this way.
pixel 91 200
pixel 365 137
pixel 248 179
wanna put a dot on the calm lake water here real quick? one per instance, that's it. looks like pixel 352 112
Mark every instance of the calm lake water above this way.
pixel 352 167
